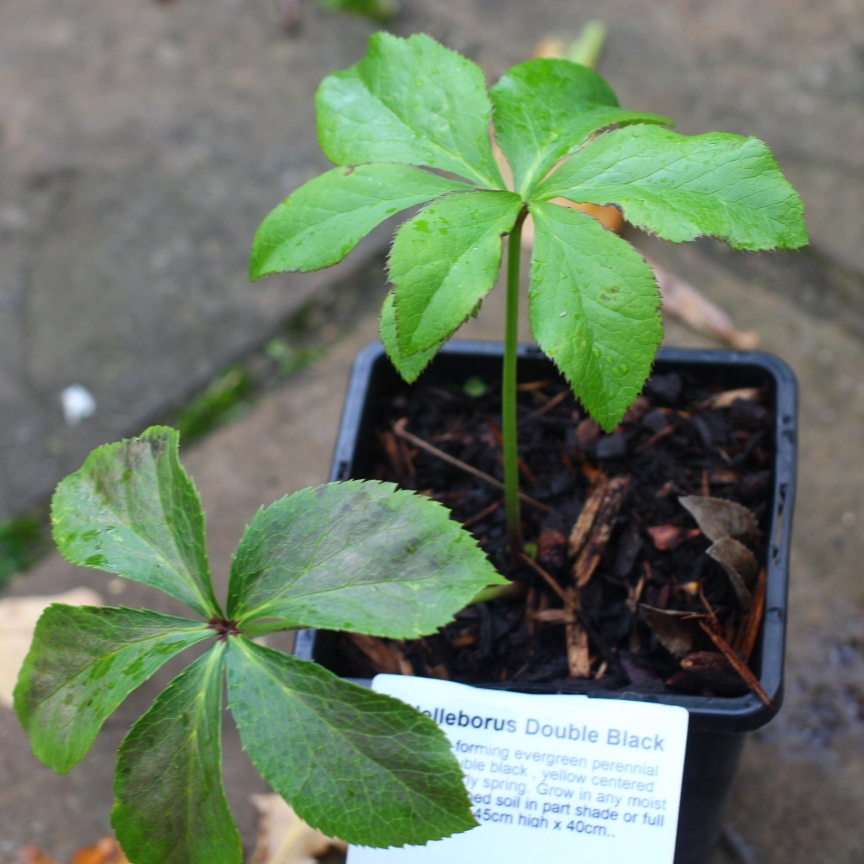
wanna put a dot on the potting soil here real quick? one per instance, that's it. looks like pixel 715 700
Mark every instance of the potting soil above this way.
pixel 671 443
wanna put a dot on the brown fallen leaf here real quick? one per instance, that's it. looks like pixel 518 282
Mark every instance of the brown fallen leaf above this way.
pixel 719 518
pixel 666 537
pixel 604 523
pixel 740 565
pixel 31 855
pixel 18 617
pixel 585 522
pixel 684 302
pixel 106 851
pixel 284 838
pixel 677 631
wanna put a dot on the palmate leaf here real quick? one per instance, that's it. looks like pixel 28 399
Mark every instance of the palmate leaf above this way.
pixel 357 556
pixel 681 187
pixel 83 663
pixel 170 804
pixel 360 766
pixel 544 109
pixel 444 261
pixel 409 100
pixel 323 220
pixel 593 309
pixel 132 510
pixel 411 366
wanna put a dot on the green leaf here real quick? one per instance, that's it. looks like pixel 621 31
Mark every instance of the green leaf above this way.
pixel 327 217
pixel 409 100
pixel 681 187
pixel 362 766
pixel 170 805
pixel 357 556
pixel 375 10
pixel 132 510
pixel 83 663
pixel 545 109
pixel 593 309
pixel 444 261
pixel 408 367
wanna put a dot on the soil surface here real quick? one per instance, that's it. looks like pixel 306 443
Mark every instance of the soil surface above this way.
pixel 645 547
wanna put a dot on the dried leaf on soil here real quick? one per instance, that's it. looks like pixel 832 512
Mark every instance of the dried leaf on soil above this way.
pixel 676 631
pixel 740 565
pixel 719 518
pixel 106 851
pixel 18 617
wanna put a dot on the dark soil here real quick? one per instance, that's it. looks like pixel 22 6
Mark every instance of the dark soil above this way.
pixel 669 443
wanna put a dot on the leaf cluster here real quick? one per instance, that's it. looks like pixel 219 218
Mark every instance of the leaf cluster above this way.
pixel 356 556
pixel 409 125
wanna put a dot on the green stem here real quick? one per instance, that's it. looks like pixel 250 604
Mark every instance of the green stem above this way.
pixel 508 390
pixel 265 628
pixel 589 46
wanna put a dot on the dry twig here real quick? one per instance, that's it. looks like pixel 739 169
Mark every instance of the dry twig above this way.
pixel 479 517
pixel 400 430
pixel 735 661
pixel 546 407
pixel 745 641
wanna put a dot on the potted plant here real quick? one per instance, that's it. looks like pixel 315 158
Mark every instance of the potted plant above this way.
pixel 356 556
pixel 410 125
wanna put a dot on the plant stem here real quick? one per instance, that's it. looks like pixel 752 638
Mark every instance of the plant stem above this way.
pixel 589 46
pixel 508 391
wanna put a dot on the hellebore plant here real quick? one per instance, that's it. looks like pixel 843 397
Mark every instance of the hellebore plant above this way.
pixel 411 104
pixel 356 556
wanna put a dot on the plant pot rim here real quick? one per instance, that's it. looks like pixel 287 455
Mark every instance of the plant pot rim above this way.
pixel 737 714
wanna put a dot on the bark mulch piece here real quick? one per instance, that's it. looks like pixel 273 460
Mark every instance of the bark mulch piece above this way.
pixel 610 534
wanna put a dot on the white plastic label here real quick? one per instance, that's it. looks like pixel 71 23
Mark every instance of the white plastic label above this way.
pixel 551 778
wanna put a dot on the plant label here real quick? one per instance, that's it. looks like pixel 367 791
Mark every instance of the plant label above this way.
pixel 553 778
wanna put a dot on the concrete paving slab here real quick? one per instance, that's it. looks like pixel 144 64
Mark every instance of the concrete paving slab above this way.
pixel 142 142
pixel 800 793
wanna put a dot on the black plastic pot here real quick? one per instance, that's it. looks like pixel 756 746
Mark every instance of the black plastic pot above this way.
pixel 717 725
